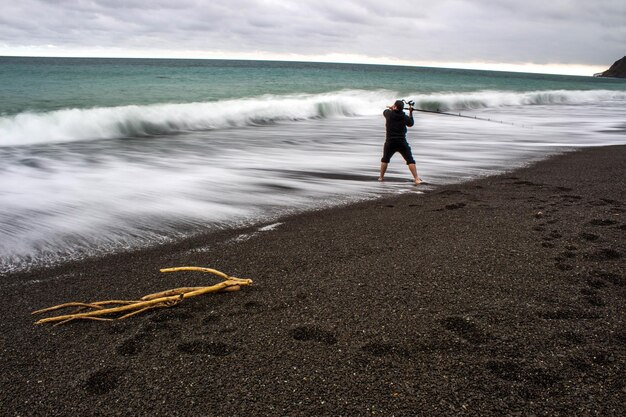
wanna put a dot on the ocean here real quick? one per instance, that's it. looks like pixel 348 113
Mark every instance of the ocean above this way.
pixel 99 156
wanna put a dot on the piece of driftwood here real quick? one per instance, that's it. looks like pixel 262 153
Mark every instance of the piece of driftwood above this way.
pixel 121 309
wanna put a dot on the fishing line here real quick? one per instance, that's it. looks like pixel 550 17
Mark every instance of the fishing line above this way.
pixel 411 103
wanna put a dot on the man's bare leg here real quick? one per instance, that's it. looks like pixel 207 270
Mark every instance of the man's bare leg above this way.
pixel 383 169
pixel 414 173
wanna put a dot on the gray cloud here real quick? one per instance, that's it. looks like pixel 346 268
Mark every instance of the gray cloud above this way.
pixel 513 31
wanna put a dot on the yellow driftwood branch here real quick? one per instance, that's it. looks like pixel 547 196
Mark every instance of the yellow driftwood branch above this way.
pixel 175 291
pixel 107 311
pixel 130 308
pixel 95 305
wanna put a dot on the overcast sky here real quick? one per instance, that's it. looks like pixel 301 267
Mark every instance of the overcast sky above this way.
pixel 578 35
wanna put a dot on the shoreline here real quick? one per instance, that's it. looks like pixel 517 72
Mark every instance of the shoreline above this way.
pixel 500 295
pixel 233 232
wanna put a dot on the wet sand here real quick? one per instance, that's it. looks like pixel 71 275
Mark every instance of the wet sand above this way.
pixel 501 296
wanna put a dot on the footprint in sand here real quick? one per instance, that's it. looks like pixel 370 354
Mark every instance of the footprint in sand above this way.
pixel 465 328
pixel 596 283
pixel 534 378
pixel 567 255
pixel 595 300
pixel 555 234
pixel 563 266
pixel 132 346
pixel 507 370
pixel 103 381
pixel 619 280
pixel 253 307
pixel 604 254
pixel 590 237
pixel 211 319
pixel 588 291
pixel 307 334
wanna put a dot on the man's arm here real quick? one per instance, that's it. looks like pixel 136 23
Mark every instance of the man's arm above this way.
pixel 409 119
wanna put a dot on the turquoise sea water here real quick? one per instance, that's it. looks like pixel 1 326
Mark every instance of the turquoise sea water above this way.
pixel 47 84
pixel 102 155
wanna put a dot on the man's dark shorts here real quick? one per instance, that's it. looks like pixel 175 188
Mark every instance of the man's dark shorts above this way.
pixel 393 147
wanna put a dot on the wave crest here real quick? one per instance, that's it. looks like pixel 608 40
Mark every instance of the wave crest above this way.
pixel 149 120
pixel 495 99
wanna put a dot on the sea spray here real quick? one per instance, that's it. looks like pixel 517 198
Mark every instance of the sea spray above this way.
pixel 162 119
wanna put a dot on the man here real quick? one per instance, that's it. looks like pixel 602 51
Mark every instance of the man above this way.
pixel 396 124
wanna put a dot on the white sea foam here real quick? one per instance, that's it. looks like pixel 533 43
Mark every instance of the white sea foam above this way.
pixel 496 99
pixel 141 121
pixel 138 121
pixel 76 199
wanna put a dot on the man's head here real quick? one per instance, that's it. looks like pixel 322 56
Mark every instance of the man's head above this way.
pixel 399 105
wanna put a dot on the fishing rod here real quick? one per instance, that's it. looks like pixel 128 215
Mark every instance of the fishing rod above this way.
pixel 411 103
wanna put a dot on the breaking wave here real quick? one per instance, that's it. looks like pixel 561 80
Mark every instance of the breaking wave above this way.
pixel 160 119
pixel 495 99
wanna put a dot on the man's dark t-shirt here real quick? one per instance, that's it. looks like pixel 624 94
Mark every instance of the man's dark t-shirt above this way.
pixel 396 124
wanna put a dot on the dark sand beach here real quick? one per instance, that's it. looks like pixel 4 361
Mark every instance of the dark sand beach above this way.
pixel 501 296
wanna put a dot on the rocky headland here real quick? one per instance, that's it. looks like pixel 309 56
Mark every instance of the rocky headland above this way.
pixel 617 70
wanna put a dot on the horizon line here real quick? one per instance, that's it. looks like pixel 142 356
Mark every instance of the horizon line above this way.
pixel 528 68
